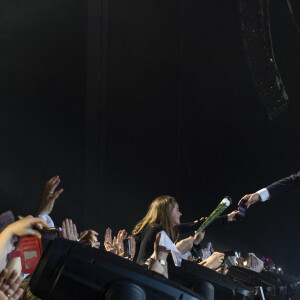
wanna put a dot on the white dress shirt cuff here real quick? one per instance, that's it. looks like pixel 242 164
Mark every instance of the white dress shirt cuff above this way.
pixel 47 219
pixel 264 194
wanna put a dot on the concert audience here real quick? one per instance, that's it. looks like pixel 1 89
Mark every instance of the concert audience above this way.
pixel 144 247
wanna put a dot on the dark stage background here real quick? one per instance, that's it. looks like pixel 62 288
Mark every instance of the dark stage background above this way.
pixel 128 100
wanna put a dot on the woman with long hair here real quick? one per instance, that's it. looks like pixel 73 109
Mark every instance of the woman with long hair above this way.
pixel 164 214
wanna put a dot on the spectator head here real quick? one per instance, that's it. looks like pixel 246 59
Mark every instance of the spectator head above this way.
pixel 163 212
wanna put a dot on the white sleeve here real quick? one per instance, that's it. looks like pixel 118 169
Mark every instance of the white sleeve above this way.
pixel 47 219
pixel 264 194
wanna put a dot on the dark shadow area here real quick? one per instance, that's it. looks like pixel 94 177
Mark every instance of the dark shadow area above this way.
pixel 129 101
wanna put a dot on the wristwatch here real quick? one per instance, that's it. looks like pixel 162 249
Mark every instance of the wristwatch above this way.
pixel 163 262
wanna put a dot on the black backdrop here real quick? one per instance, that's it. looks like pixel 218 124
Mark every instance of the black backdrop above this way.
pixel 127 100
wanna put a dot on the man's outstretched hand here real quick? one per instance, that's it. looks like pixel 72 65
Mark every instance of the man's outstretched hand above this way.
pixel 251 199
pixel 49 196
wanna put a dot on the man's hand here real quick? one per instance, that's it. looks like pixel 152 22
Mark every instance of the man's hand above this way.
pixel 251 199
pixel 9 289
pixel 49 196
pixel 185 245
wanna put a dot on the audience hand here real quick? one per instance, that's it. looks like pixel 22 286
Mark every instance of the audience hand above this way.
pixel 10 288
pixel 89 237
pixel 252 199
pixel 108 242
pixel 162 253
pixel 240 261
pixel 214 261
pixel 232 216
pixel 223 270
pixel 69 230
pixel 25 226
pixel 159 252
pixel 199 237
pixel 118 242
pixel 185 245
pixel 49 196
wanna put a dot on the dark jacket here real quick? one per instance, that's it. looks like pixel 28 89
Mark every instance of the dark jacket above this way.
pixel 283 185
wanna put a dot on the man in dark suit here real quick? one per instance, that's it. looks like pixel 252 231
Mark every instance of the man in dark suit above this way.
pixel 275 189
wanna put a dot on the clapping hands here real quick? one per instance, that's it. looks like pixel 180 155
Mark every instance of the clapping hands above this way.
pixel 116 244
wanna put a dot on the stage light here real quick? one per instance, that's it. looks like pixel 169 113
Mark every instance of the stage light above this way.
pixel 258 46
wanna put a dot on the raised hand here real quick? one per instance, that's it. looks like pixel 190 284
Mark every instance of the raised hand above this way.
pixel 107 237
pixel 89 237
pixel 50 195
pixel 159 253
pixel 108 242
pixel 10 288
pixel 118 241
pixel 69 230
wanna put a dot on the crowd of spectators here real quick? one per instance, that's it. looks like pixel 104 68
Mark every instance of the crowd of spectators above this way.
pixel 154 243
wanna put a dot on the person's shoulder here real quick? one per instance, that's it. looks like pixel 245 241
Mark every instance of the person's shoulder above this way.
pixel 151 229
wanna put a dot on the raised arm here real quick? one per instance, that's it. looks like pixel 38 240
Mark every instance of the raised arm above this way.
pixel 273 190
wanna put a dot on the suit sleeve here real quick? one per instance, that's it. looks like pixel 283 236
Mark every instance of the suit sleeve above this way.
pixel 284 185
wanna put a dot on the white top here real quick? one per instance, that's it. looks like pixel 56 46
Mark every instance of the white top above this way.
pixel 166 242
pixel 47 219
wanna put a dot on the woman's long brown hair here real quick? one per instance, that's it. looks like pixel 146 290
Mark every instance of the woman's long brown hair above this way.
pixel 160 215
